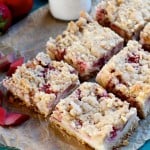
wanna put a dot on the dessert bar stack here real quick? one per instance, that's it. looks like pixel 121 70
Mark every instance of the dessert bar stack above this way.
pixel 101 115
pixel 40 83
pixel 85 45
pixel 125 17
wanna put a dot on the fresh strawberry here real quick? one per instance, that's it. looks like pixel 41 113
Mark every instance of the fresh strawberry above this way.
pixel 5 18
pixel 14 119
pixel 19 8
pixel 2 116
pixel 14 66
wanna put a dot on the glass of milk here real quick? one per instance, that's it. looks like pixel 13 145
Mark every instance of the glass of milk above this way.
pixel 69 9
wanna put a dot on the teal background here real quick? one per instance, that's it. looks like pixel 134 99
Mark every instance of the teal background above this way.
pixel 37 4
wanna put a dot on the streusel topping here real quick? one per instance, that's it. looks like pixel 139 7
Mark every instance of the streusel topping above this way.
pixel 92 111
pixel 95 39
pixel 127 14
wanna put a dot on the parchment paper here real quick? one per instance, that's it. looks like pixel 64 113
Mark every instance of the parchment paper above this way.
pixel 29 37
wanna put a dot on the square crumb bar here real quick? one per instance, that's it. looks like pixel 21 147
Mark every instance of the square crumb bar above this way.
pixel 125 17
pixel 85 45
pixel 145 37
pixel 95 117
pixel 40 83
pixel 127 74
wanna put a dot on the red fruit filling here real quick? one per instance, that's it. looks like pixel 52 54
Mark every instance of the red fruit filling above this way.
pixel 46 88
pixel 134 58
pixel 14 66
pixel 113 133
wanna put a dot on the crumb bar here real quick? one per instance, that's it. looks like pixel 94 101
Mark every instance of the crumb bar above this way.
pixel 127 74
pixel 95 117
pixel 145 37
pixel 85 45
pixel 40 83
pixel 126 17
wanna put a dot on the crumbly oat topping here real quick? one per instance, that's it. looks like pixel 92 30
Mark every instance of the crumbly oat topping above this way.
pixel 83 41
pixel 129 15
pixel 93 112
pixel 41 81
pixel 145 35
pixel 129 72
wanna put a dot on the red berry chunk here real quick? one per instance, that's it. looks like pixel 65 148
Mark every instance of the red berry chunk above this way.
pixel 113 133
pixel 46 88
pixel 134 58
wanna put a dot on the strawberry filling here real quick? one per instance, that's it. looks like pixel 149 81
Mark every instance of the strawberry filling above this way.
pixel 46 88
pixel 113 134
pixel 134 58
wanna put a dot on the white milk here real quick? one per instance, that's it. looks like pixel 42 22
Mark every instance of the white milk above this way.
pixel 68 9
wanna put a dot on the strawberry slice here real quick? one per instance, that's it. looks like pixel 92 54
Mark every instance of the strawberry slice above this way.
pixel 14 119
pixel 14 66
pixel 6 61
pixel 2 116
pixel 11 119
